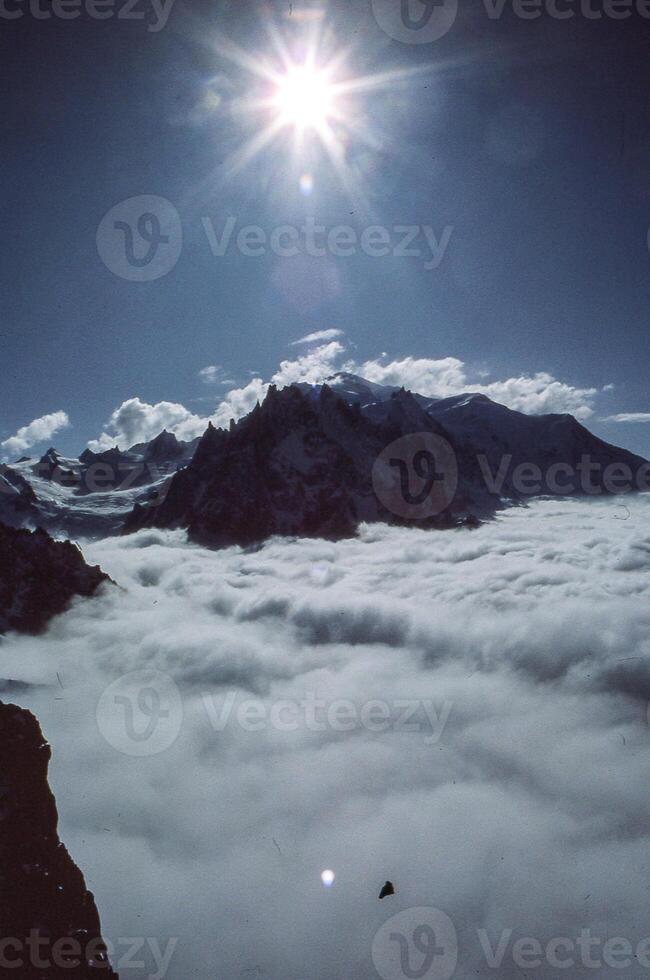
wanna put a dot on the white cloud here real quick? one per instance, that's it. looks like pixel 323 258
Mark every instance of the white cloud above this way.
pixel 628 417
pixel 438 378
pixel 533 394
pixel 239 402
pixel 541 393
pixel 534 628
pixel 137 421
pixel 210 374
pixel 39 430
pixel 318 335
pixel 313 367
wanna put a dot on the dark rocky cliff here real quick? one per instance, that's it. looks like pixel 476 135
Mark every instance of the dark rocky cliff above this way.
pixel 39 577
pixel 49 924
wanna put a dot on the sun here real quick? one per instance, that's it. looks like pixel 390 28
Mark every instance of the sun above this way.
pixel 303 83
pixel 304 98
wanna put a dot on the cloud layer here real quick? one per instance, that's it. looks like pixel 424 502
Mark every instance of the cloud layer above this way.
pixel 528 813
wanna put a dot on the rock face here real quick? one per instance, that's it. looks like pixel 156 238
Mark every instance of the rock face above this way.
pixel 300 464
pixel 49 925
pixel 17 499
pixel 39 577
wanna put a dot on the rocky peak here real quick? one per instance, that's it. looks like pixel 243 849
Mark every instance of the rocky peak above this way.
pixel 164 446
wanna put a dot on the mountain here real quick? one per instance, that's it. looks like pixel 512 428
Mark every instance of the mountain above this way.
pixel 501 440
pixel 45 908
pixel 318 460
pixel 303 463
pixel 39 577
pixel 92 495
pixel 508 439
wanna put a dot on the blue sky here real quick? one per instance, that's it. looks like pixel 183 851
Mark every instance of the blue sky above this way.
pixel 521 145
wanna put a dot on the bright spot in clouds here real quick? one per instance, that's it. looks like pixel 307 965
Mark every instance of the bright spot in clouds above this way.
pixel 306 184
pixel 327 877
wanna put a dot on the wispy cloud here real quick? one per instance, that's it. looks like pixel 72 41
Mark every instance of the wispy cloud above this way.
pixel 210 375
pixel 628 417
pixel 38 430
pixel 317 336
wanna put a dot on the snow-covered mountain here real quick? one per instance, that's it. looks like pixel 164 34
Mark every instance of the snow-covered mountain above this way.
pixel 302 463
pixel 312 460
pixel 503 440
pixel 92 495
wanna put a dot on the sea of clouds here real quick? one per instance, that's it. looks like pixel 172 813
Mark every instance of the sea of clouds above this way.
pixel 481 740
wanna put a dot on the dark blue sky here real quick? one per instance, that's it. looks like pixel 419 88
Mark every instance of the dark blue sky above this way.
pixel 530 139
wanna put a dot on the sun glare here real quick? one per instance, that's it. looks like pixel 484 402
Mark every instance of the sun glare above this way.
pixel 304 98
pixel 315 95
